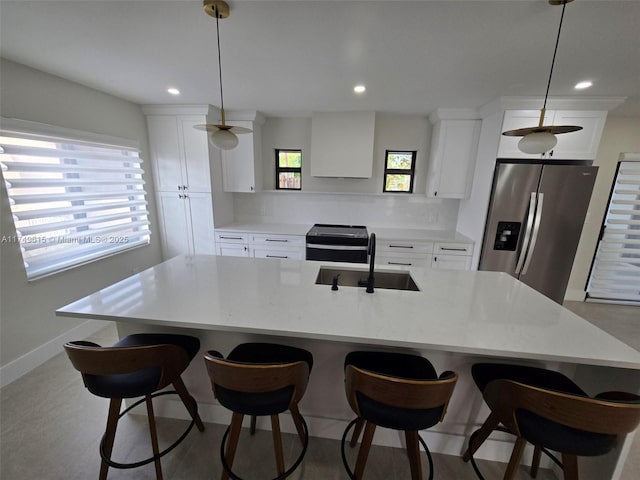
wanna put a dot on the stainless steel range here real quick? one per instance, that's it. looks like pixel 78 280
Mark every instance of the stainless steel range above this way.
pixel 337 243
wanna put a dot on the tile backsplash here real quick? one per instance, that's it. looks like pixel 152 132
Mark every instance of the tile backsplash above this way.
pixel 393 211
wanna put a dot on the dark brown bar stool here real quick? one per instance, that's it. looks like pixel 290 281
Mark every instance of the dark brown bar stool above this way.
pixel 139 365
pixel 559 416
pixel 398 391
pixel 260 379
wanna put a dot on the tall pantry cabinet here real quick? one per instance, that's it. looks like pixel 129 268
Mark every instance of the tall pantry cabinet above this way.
pixel 180 158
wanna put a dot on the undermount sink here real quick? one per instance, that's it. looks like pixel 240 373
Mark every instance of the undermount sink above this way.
pixel 354 278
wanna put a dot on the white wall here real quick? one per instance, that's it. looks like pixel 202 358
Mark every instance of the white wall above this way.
pixel 620 135
pixel 346 200
pixel 30 331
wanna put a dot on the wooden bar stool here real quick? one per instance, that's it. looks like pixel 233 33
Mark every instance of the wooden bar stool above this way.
pixel 139 365
pixel 260 379
pixel 398 391
pixel 554 414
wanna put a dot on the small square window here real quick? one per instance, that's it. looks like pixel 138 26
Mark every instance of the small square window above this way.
pixel 399 169
pixel 288 169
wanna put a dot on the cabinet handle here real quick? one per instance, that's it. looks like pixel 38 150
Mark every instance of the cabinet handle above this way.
pixel 185 196
pixel 180 195
pixel 400 263
pixel 179 187
pixel 453 249
pixel 230 238
pixel 400 246
pixel 276 256
pixel 275 240
pixel 184 187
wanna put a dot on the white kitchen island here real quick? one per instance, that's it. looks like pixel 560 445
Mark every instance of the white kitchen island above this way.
pixel 456 319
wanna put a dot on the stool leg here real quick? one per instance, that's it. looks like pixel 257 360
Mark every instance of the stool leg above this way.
pixel 535 462
pixel 252 427
pixel 356 432
pixel 514 461
pixel 277 443
pixel 487 428
pixel 570 466
pixel 188 401
pixel 110 434
pixel 234 436
pixel 413 451
pixel 297 420
pixel 154 435
pixel 365 446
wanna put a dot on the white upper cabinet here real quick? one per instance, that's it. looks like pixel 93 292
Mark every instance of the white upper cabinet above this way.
pixel 179 152
pixel 454 145
pixel 580 145
pixel 342 144
pixel 242 166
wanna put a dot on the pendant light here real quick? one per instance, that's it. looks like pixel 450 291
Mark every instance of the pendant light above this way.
pixel 220 135
pixel 541 139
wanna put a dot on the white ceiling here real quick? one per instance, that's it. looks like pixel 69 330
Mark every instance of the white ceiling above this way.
pixel 297 56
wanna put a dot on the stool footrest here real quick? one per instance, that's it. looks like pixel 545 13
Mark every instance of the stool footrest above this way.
pixel 153 458
pixel 231 474
pixel 346 463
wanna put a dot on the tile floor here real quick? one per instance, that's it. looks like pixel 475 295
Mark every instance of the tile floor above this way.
pixel 51 428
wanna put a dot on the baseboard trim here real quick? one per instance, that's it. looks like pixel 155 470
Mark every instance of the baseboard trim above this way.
pixel 36 357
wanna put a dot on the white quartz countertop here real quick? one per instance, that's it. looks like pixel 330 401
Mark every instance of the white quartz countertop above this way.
pixel 485 313
pixel 382 233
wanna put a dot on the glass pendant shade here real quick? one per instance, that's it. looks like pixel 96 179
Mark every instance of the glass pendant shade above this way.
pixel 223 139
pixel 537 142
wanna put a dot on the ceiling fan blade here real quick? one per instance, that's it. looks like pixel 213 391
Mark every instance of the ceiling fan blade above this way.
pixel 240 130
pixel 209 127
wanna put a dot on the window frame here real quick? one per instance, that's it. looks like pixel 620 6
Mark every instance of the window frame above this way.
pixel 76 242
pixel 280 169
pixel 397 171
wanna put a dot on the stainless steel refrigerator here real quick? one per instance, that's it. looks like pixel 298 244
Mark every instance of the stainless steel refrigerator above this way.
pixel 536 213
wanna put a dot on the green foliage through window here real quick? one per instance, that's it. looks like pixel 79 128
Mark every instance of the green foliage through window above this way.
pixel 399 169
pixel 288 169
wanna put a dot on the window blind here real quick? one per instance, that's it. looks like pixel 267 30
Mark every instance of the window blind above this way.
pixel 73 201
pixel 615 273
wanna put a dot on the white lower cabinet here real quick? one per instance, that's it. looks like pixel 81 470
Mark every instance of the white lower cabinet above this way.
pixel 232 244
pixel 450 262
pixel 404 253
pixel 278 246
pixel 186 223
pixel 451 256
pixel 247 244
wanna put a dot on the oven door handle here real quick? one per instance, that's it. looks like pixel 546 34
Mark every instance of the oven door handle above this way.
pixel 337 247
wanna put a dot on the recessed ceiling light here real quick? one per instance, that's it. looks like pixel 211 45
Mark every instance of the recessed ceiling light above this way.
pixel 173 91
pixel 359 89
pixel 583 85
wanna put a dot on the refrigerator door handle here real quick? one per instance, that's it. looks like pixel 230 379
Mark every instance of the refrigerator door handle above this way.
pixel 526 238
pixel 536 230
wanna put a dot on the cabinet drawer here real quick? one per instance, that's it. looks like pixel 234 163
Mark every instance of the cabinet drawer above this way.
pixel 267 252
pixel 400 260
pixel 279 240
pixel 453 249
pixel 451 262
pixel 404 247
pixel 232 237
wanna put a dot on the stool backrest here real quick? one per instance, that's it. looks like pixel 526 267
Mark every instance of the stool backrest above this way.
pixel 399 392
pixel 597 415
pixel 91 359
pixel 257 377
